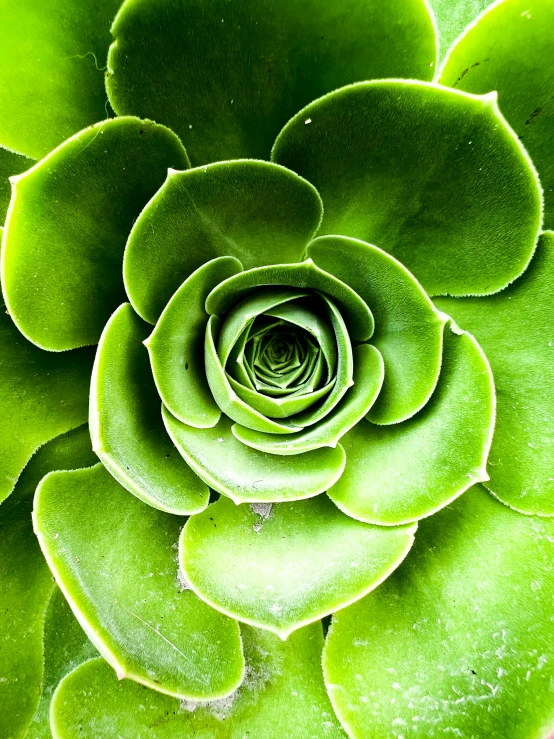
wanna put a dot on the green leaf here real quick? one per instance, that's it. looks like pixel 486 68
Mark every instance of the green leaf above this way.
pixel 126 424
pixel 176 346
pixel 227 77
pixel 368 379
pixel 246 475
pixel 41 395
pixel 11 163
pixel 459 637
pixel 65 647
pixel 288 564
pixel 408 329
pixel 282 696
pixel 255 211
pixel 26 584
pixel 306 275
pixel 397 474
pixel 425 173
pixel 452 17
pixel 515 329
pixel 509 50
pixel 51 60
pixel 114 560
pixel 67 225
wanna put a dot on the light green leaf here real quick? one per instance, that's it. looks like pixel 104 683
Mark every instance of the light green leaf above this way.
pixel 254 211
pixel 368 379
pixel 452 17
pixel 114 560
pixel 459 637
pixel 65 647
pixel 176 346
pixel 282 696
pixel 67 225
pixel 408 329
pixel 227 76
pixel 52 56
pixel 41 395
pixel 246 475
pixel 26 584
pixel 509 49
pixel 404 472
pixel 288 564
pixel 126 424
pixel 426 173
pixel 11 163
pixel 516 331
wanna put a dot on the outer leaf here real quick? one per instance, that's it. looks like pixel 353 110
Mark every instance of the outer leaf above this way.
pixel 65 647
pixel 289 567
pixel 11 163
pixel 282 696
pixel 363 148
pixel 246 475
pixel 458 641
pixel 508 49
pixel 368 380
pixel 255 211
pixel 516 332
pixel 114 560
pixel 452 18
pixel 408 329
pixel 228 76
pixel 41 395
pixel 401 473
pixel 67 225
pixel 26 584
pixel 126 426
pixel 51 81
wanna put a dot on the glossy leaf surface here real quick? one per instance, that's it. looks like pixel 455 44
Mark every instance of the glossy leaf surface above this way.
pixel 404 472
pixel 114 559
pixel 283 695
pixel 227 77
pixel 363 147
pixel 256 212
pixel 247 475
pixel 516 331
pixel 459 637
pixel 67 225
pixel 126 425
pixel 289 565
pixel 509 50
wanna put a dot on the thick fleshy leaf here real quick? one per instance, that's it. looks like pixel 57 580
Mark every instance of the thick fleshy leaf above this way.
pixel 51 70
pixel 65 647
pixel 246 475
pixel 254 211
pixel 282 696
pixel 176 346
pixel 228 76
pixel 458 641
pixel 68 221
pixel 516 331
pixel 26 584
pixel 363 148
pixel 126 424
pixel 368 379
pixel 114 559
pixel 305 275
pixel 404 472
pixel 408 329
pixel 41 395
pixel 10 164
pixel 452 17
pixel 508 50
pixel 288 564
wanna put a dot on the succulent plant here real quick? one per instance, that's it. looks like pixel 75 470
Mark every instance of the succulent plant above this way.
pixel 276 392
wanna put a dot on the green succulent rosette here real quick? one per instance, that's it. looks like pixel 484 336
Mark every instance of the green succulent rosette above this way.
pixel 276 441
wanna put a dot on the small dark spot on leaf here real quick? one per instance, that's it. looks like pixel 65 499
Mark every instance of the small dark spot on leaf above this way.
pixel 186 365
